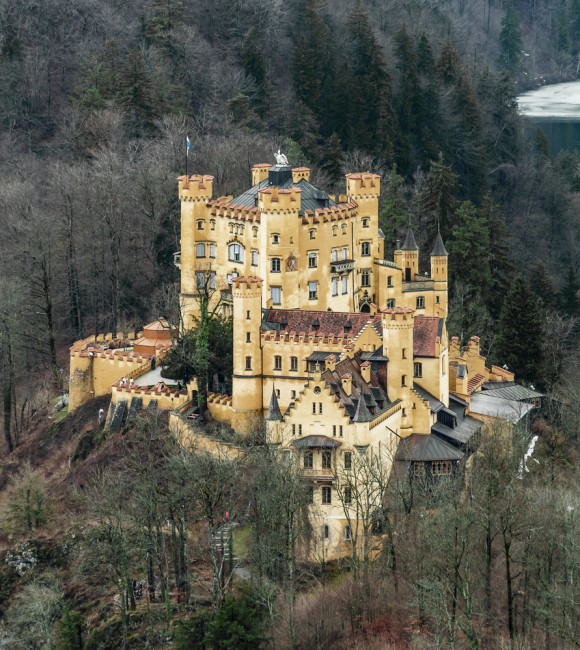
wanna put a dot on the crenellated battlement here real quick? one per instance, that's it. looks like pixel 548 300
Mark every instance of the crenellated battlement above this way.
pixel 240 285
pixel 363 185
pixel 195 187
pixel 277 200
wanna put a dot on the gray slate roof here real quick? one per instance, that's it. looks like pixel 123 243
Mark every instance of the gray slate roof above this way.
pixel 514 392
pixel 426 448
pixel 483 403
pixel 311 197
pixel 274 412
pixel 439 247
pixel 316 442
pixel 462 433
pixel 410 242
pixel 434 404
pixel 362 413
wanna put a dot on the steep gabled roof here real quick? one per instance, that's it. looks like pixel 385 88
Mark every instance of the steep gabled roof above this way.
pixel 427 331
pixel 362 414
pixel 321 323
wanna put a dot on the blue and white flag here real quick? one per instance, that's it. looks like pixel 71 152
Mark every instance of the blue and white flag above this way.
pixel 188 145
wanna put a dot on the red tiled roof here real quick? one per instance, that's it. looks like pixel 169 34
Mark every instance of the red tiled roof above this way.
pixel 475 382
pixel 329 322
pixel 425 335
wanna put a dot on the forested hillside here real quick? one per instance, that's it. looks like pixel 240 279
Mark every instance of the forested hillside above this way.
pixel 96 99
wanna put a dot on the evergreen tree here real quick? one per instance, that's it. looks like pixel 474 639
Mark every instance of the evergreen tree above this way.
pixel 542 285
pixel 437 201
pixel 520 332
pixel 469 248
pixel 331 158
pixel 370 89
pixel 70 631
pixel 136 93
pixel 237 625
pixel 501 265
pixel 570 294
pixel 395 213
pixel 448 65
pixel 254 63
pixel 510 40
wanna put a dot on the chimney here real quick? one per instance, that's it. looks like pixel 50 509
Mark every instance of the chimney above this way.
pixel 347 383
pixel 473 346
pixel 365 371
pixel 330 362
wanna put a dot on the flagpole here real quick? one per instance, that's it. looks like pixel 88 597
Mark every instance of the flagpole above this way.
pixel 186 156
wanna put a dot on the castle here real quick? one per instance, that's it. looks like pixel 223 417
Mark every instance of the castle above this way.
pixel 343 353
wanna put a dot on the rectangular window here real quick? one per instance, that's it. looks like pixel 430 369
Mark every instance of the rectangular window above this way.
pixel 326 495
pixel 312 260
pixel 390 281
pixel 248 363
pixel 299 429
pixel 248 337
pixel 418 369
pixel 344 284
pixel 334 430
pixel 420 302
pixel 312 233
pixel 275 265
pixel 347 534
pixel 326 460
pixel 212 250
pixel 365 278
pixel 313 408
pixel 347 495
pixel 320 408
pixel 365 223
pixel 365 249
pixel 403 380
pixel 275 238
pixel 200 225
pixel 248 314
pixel 345 253
pixel 276 295
pixel 200 250
pixel 333 255
pixel 313 291
pixel 212 224
pixel 277 363
pixel 235 253
pixel 391 303
pixel 403 353
pixel 293 429
pixel 255 258
pixel 294 363
pixel 340 430
pixel 347 460
pixel 418 469
pixel 292 394
pixel 326 531
pixel 308 460
pixel 334 284
pixel 441 468
pixel 200 279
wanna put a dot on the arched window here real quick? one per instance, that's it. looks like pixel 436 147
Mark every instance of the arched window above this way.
pixel 200 250
pixel 325 531
pixel 235 253
pixel 334 231
pixel 254 231
pixel 343 227
pixel 255 258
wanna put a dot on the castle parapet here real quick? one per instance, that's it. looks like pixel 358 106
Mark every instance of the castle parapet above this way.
pixel 195 187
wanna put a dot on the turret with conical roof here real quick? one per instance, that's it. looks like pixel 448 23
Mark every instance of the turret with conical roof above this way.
pixel 407 257
pixel 274 413
pixel 362 413
pixel 439 275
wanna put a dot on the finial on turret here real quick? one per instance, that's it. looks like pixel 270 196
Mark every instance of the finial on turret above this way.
pixel 274 412
pixel 438 246
pixel 410 243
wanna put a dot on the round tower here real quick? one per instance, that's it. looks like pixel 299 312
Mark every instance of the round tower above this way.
pixel 398 348
pixel 194 194
pixel 247 378
pixel 439 271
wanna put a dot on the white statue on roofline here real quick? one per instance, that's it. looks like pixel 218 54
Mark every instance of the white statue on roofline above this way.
pixel 281 158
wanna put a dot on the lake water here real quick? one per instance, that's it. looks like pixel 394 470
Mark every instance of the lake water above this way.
pixel 556 110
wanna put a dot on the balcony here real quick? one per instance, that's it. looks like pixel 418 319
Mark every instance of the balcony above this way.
pixel 177 259
pixel 388 263
pixel 318 474
pixel 342 266
pixel 418 285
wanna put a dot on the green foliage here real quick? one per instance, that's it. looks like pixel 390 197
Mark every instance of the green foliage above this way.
pixel 510 39
pixel 542 285
pixel 395 213
pixel 191 633
pixel 437 201
pixel 520 332
pixel 70 631
pixel 237 625
pixel 570 294
pixel 254 63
